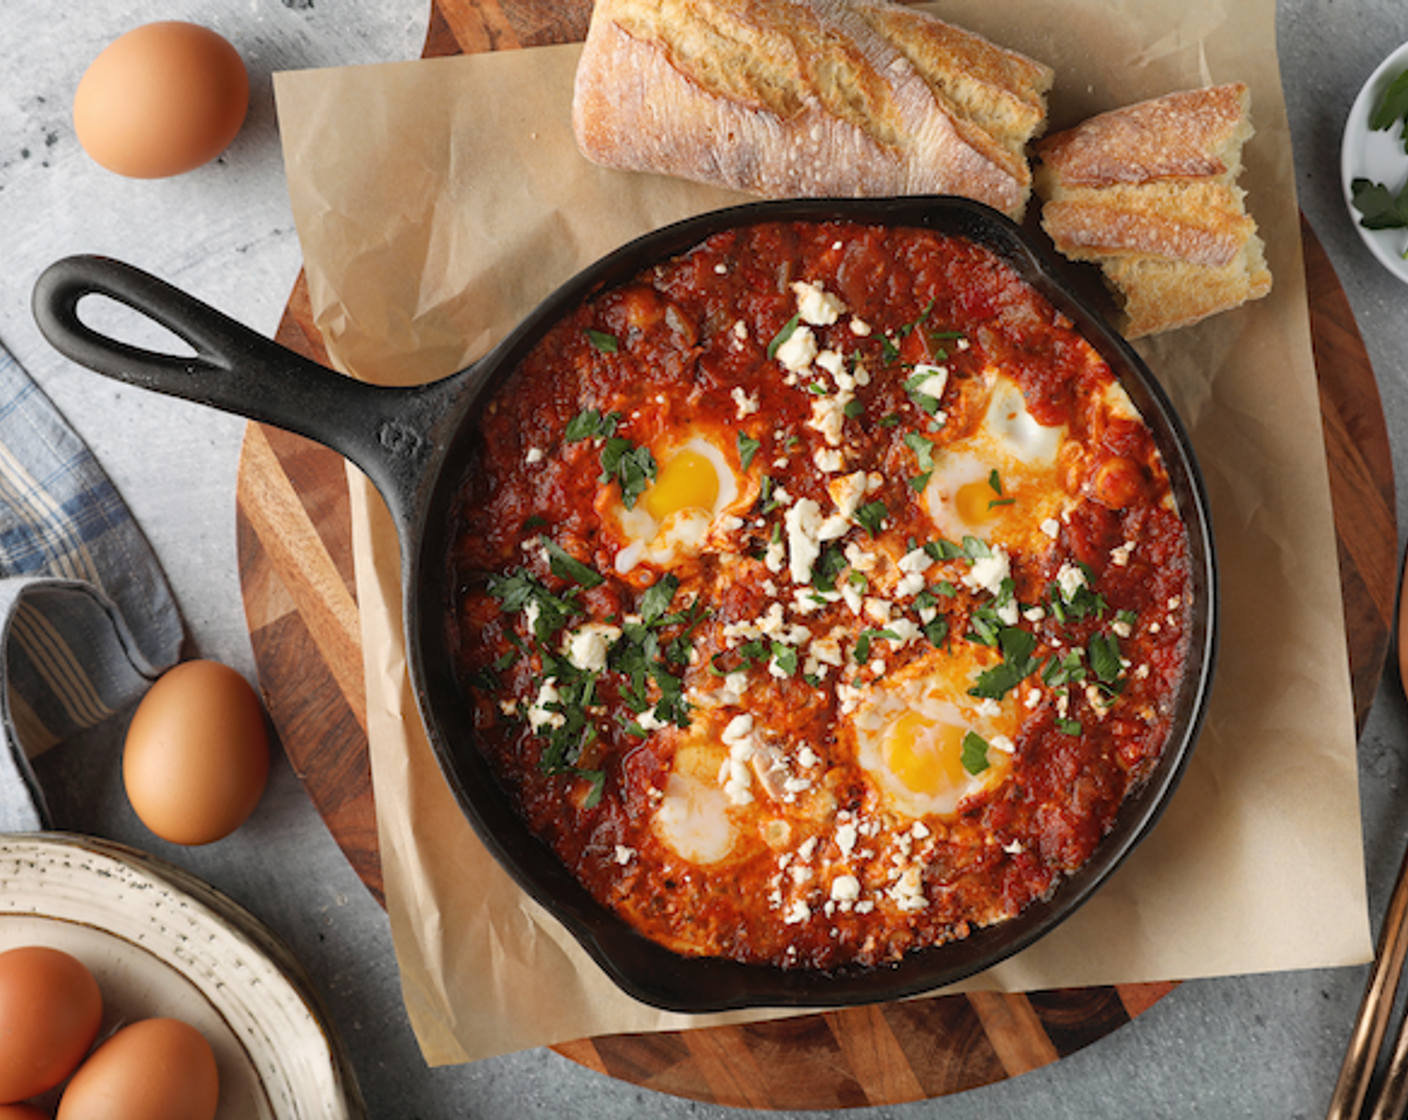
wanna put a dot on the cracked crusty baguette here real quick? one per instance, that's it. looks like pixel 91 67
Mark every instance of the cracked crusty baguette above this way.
pixel 1149 193
pixel 808 97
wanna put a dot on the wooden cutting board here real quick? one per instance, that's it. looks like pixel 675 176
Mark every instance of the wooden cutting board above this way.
pixel 294 539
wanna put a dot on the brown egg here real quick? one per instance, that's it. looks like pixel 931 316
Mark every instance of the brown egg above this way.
pixel 196 756
pixel 154 1069
pixel 50 1010
pixel 161 100
pixel 22 1112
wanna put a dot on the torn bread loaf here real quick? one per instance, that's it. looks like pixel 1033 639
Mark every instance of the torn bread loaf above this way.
pixel 808 97
pixel 1149 193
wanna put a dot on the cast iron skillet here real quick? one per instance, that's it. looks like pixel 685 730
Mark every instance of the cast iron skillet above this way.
pixel 414 444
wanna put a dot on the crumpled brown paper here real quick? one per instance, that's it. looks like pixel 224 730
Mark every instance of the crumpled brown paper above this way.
pixel 438 201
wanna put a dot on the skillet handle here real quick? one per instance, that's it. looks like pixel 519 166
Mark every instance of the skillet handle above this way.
pixel 390 433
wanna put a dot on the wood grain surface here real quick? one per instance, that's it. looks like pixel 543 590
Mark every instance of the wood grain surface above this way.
pixel 294 538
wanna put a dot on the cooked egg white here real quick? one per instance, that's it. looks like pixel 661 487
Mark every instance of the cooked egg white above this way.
pixel 1000 481
pixel 694 488
pixel 926 744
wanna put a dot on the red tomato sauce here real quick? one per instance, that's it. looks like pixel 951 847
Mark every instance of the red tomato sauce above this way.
pixel 742 752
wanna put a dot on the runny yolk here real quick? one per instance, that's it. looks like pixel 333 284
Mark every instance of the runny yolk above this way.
pixel 687 481
pixel 926 757
pixel 977 502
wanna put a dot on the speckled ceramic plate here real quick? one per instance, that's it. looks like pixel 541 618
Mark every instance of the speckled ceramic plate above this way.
pixel 1379 157
pixel 162 943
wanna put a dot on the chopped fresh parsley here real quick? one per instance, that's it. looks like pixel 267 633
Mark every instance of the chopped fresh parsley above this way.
pixel 923 449
pixel 519 591
pixel 828 566
pixel 631 466
pixel 871 517
pixel 974 754
pixel 861 653
pixel 566 566
pixel 747 448
pixel 1017 664
pixel 1104 652
pixel 925 402
pixel 657 598
pixel 788 329
pixel 767 495
pixel 591 424
pixel 604 342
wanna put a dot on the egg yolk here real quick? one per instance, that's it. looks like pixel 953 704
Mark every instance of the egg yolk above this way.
pixel 926 757
pixel 687 481
pixel 977 502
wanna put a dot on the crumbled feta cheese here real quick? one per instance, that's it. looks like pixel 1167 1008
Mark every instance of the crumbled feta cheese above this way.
pixel 910 585
pixel 624 855
pixel 739 728
pixel 816 305
pixel 535 455
pixel 988 572
pixel 845 888
pixel 829 416
pixel 797 913
pixel 803 523
pixel 539 714
pixel 829 460
pixel 797 352
pixel 1051 527
pixel 908 892
pixel 846 838
pixel 746 403
pixel 587 648
pixel 834 363
pixel 1070 579
pixel 916 562
pixel 934 383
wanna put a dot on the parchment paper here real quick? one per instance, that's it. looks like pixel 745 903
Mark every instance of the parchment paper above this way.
pixel 437 201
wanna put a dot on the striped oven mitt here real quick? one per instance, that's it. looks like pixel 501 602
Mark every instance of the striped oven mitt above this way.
pixel 87 620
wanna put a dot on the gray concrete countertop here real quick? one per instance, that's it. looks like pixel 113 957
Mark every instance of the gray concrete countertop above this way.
pixel 1254 1046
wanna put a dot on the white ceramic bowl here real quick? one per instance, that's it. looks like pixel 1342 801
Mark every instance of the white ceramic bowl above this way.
pixel 1378 156
pixel 162 943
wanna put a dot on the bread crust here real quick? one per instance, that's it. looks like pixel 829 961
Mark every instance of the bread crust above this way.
pixel 1149 193
pixel 807 97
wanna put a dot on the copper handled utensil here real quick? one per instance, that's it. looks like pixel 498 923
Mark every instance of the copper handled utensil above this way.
pixel 1371 1025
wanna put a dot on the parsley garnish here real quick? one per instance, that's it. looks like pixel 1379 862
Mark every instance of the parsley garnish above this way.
pixel 633 468
pixel 862 651
pixel 1017 664
pixel 871 517
pixel 974 753
pixel 747 448
pixel 604 342
pixel 591 424
pixel 830 564
pixel 566 566
pixel 924 455
pixel 783 335
pixel 926 402
pixel 1104 652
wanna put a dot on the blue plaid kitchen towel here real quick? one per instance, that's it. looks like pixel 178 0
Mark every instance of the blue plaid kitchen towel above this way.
pixel 87 620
